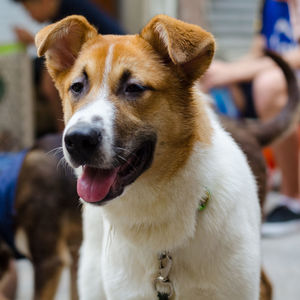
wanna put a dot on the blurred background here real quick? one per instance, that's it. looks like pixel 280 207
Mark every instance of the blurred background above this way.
pixel 231 21
pixel 26 114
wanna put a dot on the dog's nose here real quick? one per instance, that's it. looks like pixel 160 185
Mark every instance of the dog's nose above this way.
pixel 82 141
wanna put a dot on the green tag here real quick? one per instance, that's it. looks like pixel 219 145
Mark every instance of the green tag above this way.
pixel 11 48
pixel 204 201
pixel 201 207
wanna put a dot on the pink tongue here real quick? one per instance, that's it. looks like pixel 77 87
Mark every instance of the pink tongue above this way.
pixel 94 184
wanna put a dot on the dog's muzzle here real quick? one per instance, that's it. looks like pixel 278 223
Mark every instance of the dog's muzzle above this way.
pixel 106 171
pixel 82 141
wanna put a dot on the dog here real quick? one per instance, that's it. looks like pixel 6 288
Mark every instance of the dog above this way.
pixel 170 205
pixel 250 139
pixel 42 221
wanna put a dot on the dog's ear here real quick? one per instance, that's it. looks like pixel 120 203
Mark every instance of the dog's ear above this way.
pixel 61 42
pixel 188 46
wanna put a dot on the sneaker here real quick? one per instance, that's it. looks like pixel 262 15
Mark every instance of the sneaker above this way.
pixel 282 220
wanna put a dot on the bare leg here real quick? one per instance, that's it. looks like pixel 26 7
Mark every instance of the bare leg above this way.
pixel 288 148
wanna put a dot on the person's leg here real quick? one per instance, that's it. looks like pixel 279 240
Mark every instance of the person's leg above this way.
pixel 269 93
pixel 287 158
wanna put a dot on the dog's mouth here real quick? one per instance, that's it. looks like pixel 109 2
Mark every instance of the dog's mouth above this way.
pixel 98 185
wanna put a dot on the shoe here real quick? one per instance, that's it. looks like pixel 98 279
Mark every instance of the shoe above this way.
pixel 282 220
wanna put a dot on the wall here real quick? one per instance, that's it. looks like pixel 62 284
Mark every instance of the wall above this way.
pixel 12 14
pixel 193 11
pixel 136 13
pixel 231 21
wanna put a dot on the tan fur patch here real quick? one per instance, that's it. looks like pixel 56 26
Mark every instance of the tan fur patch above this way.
pixel 169 109
pixel 93 67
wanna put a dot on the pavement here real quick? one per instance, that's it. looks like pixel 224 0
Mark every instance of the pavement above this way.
pixel 281 261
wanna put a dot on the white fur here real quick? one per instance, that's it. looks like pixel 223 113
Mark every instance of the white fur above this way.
pixel 100 108
pixel 216 252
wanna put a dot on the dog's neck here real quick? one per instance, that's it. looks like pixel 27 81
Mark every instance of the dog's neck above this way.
pixel 162 226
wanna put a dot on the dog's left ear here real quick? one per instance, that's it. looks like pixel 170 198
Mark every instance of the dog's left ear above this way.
pixel 188 46
pixel 62 41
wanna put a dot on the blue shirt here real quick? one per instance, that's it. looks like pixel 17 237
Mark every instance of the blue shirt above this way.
pixel 10 166
pixel 276 26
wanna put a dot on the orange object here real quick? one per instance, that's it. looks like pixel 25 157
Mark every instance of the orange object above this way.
pixel 269 157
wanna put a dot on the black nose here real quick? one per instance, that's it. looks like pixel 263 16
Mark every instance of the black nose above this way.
pixel 82 141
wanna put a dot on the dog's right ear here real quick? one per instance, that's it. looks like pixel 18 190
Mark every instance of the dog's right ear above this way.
pixel 61 42
pixel 187 46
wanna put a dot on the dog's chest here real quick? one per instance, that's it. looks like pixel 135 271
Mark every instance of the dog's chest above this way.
pixel 129 272
pixel 126 272
pixel 129 275
pixel 203 264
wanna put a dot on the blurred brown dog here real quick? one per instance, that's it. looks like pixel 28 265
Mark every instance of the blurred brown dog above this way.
pixel 47 220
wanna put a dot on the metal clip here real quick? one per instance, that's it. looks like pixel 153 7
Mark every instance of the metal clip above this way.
pixel 166 263
pixel 164 288
pixel 162 283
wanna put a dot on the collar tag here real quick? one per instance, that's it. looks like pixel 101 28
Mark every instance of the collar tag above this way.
pixel 204 200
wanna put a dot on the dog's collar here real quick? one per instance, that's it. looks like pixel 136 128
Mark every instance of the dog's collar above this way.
pixel 162 284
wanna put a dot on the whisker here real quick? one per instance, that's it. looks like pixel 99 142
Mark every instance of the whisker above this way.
pixel 126 151
pixel 55 151
pixel 121 157
pixel 127 161
pixel 122 149
pixel 63 165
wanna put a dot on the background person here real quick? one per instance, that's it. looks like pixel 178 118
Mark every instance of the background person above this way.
pixel 263 90
pixel 294 9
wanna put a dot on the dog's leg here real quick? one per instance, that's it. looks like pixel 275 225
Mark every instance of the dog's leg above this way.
pixel 48 268
pixel 74 242
pixel 48 263
pixel 90 280
pixel 265 287
pixel 47 274
pixel 74 270
pixel 8 275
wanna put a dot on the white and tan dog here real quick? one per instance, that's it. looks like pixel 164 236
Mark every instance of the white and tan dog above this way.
pixel 148 150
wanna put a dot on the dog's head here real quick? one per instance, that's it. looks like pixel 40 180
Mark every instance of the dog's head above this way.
pixel 127 100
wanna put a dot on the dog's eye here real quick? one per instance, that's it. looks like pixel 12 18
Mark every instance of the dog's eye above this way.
pixel 79 85
pixel 77 88
pixel 134 89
